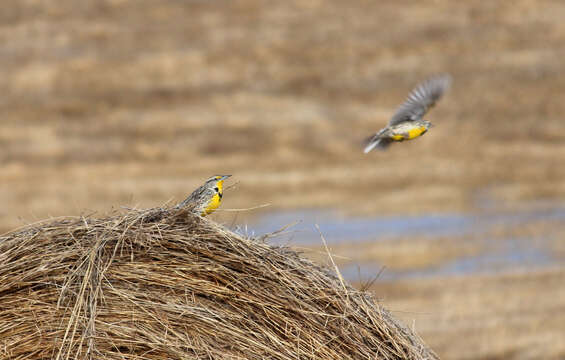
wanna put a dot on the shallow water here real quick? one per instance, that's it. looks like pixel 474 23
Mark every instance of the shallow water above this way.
pixel 510 254
pixel 515 255
pixel 337 229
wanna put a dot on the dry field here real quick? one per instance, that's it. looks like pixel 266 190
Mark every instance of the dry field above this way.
pixel 135 102
pixel 466 297
pixel 512 316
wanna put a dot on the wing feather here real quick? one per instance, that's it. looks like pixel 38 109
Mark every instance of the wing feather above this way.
pixel 421 99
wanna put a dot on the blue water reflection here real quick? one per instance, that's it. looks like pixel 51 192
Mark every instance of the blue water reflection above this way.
pixel 515 255
pixel 337 229
pixel 509 254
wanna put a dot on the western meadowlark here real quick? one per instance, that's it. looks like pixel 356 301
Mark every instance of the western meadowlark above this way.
pixel 206 199
pixel 408 123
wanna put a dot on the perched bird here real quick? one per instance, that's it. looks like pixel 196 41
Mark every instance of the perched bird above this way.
pixel 408 123
pixel 206 199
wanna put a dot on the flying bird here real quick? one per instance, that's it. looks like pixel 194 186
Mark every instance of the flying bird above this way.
pixel 408 123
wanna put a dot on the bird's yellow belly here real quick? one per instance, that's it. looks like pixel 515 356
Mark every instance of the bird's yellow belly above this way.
pixel 410 134
pixel 213 205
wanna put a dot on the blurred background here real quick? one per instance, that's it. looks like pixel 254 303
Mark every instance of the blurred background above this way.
pixel 459 233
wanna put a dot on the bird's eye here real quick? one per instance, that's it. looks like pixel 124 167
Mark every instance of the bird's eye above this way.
pixel 216 189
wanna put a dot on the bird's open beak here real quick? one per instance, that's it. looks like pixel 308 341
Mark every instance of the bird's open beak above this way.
pixel 224 177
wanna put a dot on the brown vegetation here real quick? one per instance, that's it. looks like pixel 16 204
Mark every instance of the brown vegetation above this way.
pixel 138 101
pixel 162 283
pixel 518 315
pixel 109 101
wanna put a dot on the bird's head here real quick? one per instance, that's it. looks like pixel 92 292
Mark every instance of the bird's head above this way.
pixel 216 182
pixel 428 124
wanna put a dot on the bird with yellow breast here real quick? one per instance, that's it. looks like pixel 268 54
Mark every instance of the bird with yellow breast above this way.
pixel 208 197
pixel 408 123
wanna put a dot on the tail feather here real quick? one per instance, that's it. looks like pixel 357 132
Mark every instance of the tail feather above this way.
pixel 371 144
pixel 376 141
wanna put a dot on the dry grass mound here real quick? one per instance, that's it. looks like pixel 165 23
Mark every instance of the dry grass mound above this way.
pixel 164 284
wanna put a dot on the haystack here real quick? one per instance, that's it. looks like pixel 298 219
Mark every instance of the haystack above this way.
pixel 164 284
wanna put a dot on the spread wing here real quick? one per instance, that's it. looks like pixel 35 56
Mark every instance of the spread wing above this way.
pixel 421 99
